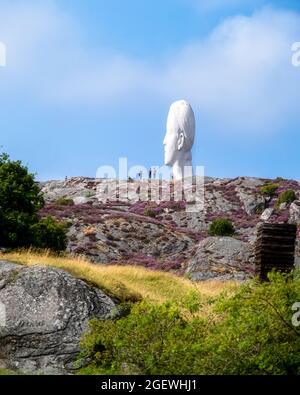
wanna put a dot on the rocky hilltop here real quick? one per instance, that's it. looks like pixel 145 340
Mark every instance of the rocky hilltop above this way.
pixel 163 235
pixel 45 310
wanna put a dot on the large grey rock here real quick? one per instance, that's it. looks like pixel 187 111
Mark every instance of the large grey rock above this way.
pixel 47 310
pixel 222 258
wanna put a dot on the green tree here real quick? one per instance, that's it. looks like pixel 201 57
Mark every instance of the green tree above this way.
pixel 20 201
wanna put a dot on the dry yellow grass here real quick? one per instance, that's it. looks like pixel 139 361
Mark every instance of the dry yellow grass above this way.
pixel 124 282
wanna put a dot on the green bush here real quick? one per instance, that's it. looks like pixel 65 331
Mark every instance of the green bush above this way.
pixel 64 202
pixel 257 335
pixel 249 332
pixel 150 213
pixel 269 189
pixel 221 227
pixel 48 233
pixel 20 201
pixel 287 196
pixel 152 339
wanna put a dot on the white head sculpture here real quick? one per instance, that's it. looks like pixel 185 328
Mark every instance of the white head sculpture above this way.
pixel 179 138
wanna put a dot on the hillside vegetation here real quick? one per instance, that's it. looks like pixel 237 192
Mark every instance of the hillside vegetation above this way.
pixel 250 331
pixel 172 236
pixel 167 324
pixel 127 283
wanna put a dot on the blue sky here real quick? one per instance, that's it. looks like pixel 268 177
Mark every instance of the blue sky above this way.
pixel 88 82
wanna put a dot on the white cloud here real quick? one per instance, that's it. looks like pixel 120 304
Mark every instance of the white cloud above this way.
pixel 239 78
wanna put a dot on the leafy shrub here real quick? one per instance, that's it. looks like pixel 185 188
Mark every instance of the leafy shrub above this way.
pixel 269 189
pixel 257 335
pixel 251 332
pixel 150 213
pixel 152 339
pixel 221 227
pixel 64 202
pixel 287 196
pixel 48 233
pixel 20 201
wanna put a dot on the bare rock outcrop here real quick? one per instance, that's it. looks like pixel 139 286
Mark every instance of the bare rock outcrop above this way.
pixel 160 235
pixel 44 312
pixel 295 212
pixel 223 258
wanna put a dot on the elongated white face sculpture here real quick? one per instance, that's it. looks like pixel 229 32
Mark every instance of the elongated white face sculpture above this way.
pixel 179 138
